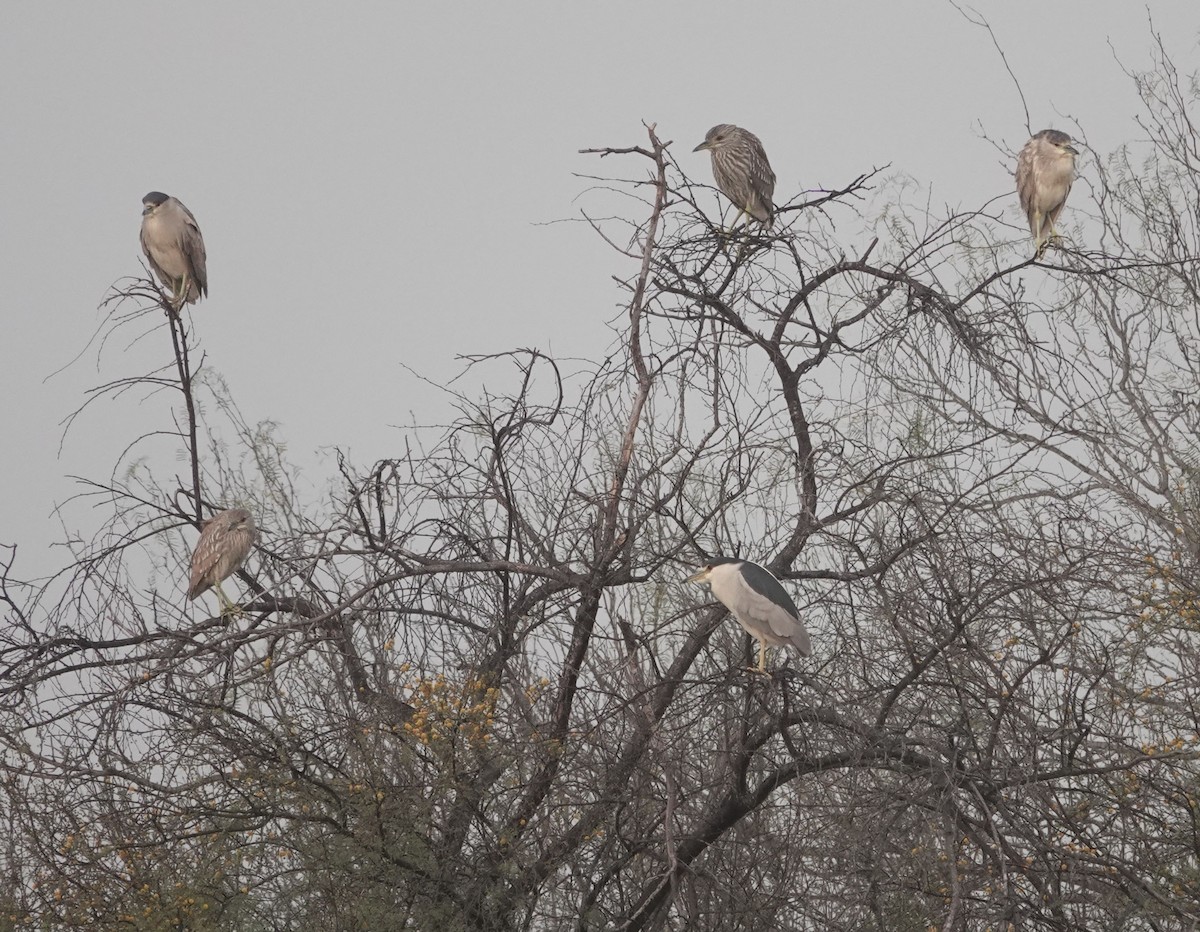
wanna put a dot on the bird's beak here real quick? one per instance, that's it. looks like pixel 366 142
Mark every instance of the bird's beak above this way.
pixel 1071 149
pixel 701 147
pixel 702 576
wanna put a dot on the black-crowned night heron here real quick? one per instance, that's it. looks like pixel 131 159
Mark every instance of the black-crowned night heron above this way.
pixel 1045 170
pixel 226 539
pixel 759 603
pixel 742 171
pixel 172 242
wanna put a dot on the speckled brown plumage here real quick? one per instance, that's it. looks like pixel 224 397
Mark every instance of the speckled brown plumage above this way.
pixel 741 170
pixel 225 541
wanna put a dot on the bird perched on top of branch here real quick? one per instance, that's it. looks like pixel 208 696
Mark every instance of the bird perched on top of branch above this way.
pixel 1045 171
pixel 172 242
pixel 759 603
pixel 742 171
pixel 226 539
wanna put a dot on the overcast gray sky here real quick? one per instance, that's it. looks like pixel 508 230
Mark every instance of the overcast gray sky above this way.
pixel 376 181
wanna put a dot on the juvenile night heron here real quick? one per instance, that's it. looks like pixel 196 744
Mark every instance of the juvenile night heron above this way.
pixel 759 603
pixel 172 242
pixel 1045 170
pixel 226 539
pixel 742 171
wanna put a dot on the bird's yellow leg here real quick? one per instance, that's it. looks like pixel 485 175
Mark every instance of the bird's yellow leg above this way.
pixel 227 607
pixel 762 659
pixel 181 295
pixel 746 241
pixel 1040 238
pixel 736 220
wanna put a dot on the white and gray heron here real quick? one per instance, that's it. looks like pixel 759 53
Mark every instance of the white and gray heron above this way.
pixel 759 603
pixel 1045 171
pixel 172 242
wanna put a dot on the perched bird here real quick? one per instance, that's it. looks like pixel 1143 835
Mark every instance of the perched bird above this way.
pixel 742 171
pixel 226 539
pixel 172 242
pixel 759 603
pixel 1045 170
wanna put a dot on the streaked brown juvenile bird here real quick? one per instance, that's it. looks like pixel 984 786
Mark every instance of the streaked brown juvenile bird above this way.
pixel 226 539
pixel 741 170
pixel 172 242
pixel 1045 171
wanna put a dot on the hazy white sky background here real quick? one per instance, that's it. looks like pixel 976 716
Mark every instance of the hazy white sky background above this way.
pixel 376 183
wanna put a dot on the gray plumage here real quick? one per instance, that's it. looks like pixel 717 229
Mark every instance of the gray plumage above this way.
pixel 741 170
pixel 226 539
pixel 172 243
pixel 1045 171
pixel 759 603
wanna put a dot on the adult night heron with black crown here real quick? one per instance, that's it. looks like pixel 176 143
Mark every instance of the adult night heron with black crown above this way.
pixel 172 243
pixel 759 603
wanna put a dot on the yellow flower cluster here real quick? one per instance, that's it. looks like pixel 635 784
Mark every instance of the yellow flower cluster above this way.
pixel 447 712
pixel 1169 600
